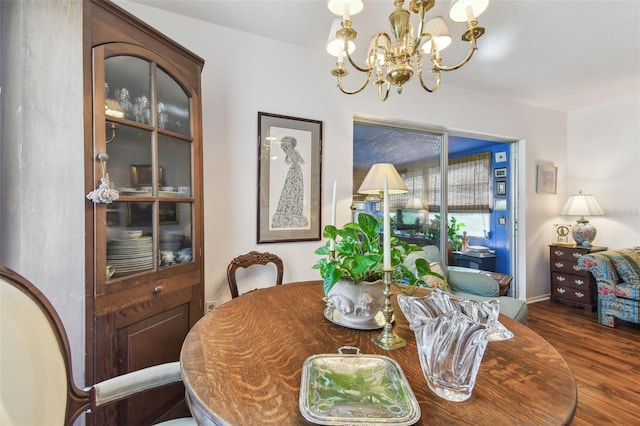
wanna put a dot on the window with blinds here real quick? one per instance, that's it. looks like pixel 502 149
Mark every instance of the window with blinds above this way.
pixel 469 184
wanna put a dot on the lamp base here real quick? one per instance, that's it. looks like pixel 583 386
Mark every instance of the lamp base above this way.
pixel 583 233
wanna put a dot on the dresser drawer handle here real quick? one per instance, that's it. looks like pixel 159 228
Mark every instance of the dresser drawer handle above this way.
pixel 157 290
pixel 559 265
pixel 561 290
pixel 579 282
pixel 579 294
pixel 577 255
pixel 558 252
pixel 561 278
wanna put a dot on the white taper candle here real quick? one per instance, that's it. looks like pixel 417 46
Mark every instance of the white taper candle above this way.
pixel 332 243
pixel 387 227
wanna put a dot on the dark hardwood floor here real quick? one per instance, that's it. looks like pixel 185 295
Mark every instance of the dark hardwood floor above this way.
pixel 605 361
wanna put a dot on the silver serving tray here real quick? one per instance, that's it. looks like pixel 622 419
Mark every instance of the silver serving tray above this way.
pixel 355 389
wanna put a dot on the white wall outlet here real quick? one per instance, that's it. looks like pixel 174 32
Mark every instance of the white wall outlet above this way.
pixel 210 305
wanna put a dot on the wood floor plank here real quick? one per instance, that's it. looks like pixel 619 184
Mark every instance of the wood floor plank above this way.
pixel 604 361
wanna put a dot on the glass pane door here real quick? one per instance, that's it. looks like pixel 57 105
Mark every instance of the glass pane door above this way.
pixel 147 138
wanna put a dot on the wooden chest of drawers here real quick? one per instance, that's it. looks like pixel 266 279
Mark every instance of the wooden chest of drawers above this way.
pixel 570 285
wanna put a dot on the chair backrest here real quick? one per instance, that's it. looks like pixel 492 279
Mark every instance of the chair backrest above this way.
pixel 252 258
pixel 37 386
pixel 430 254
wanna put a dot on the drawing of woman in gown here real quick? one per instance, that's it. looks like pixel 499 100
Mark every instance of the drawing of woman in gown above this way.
pixel 289 213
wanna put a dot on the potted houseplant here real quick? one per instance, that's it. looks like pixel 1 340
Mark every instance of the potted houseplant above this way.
pixel 353 274
pixel 454 238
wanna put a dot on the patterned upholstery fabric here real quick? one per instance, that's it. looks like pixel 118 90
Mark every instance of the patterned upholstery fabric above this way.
pixel 617 273
pixel 628 266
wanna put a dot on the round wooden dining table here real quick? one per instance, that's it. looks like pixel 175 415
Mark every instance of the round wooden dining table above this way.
pixel 242 365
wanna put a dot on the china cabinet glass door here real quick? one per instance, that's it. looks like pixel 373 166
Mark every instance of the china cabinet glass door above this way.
pixel 146 132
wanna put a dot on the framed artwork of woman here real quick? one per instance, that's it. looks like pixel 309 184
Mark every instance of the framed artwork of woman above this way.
pixel 289 178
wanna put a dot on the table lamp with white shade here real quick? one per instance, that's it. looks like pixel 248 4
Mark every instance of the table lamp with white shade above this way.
pixel 383 179
pixel 582 205
pixel 373 183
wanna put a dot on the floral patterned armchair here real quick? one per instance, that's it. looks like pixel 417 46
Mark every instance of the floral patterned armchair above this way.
pixel 617 273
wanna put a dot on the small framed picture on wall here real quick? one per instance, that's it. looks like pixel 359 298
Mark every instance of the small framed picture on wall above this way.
pixel 500 157
pixel 546 179
pixel 500 204
pixel 500 172
pixel 501 187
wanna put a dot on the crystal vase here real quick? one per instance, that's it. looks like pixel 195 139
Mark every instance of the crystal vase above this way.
pixel 451 335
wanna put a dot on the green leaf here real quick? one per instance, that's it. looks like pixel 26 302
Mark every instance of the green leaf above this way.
pixel 369 225
pixel 330 232
pixel 362 263
pixel 323 250
pixel 331 276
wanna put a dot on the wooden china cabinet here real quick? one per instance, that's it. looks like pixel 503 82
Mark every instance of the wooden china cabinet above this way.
pixel 144 257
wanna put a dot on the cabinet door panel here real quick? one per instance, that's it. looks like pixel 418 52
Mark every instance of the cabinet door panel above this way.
pixel 154 340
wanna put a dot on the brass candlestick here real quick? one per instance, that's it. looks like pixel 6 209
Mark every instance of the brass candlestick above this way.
pixel 387 339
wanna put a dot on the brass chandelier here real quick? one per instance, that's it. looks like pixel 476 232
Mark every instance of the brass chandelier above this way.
pixel 394 63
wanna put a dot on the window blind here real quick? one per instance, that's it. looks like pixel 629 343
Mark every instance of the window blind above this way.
pixel 469 184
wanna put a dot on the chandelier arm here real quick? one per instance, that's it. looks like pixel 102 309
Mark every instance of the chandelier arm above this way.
pixel 436 61
pixel 353 92
pixel 356 66
pixel 386 93
pixel 424 86
pixel 370 67
pixel 420 27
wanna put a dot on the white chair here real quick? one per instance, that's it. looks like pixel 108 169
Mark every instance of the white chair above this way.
pixel 36 386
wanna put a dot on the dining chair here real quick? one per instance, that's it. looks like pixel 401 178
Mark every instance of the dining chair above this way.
pixel 249 259
pixel 37 386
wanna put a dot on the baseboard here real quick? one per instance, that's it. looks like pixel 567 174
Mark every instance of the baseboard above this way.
pixel 539 298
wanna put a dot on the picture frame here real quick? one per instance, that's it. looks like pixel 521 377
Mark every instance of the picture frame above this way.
pixel 289 178
pixel 500 204
pixel 500 157
pixel 562 234
pixel 141 214
pixel 142 175
pixel 113 217
pixel 502 220
pixel 501 187
pixel 500 172
pixel 546 179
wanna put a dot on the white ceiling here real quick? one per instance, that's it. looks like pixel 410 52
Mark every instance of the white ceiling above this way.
pixel 562 55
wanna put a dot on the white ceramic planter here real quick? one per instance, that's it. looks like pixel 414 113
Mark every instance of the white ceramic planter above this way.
pixel 357 304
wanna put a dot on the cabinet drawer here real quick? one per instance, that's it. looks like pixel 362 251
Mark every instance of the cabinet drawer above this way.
pixel 567 267
pixel 567 253
pixel 583 296
pixel 571 280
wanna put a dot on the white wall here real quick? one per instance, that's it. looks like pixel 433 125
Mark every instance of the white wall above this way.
pixel 246 74
pixel 42 194
pixel 604 160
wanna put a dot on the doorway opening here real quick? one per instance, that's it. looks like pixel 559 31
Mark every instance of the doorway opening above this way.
pixel 474 174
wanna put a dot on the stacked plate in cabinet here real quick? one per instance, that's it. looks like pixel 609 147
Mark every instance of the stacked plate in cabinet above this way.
pixel 130 255
pixel 170 241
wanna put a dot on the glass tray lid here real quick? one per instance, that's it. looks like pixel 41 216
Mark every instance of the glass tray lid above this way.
pixel 356 389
